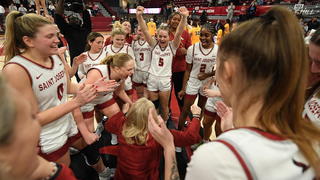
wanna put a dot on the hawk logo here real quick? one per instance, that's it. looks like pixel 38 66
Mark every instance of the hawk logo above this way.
pixel 60 91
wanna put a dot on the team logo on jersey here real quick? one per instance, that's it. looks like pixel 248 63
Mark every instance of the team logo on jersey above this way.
pixel 301 165
pixel 60 91
pixel 37 77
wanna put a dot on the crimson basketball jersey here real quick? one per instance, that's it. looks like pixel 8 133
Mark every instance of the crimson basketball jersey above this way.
pixel 92 60
pixel 161 60
pixel 202 60
pixel 142 53
pixel 312 108
pixel 49 85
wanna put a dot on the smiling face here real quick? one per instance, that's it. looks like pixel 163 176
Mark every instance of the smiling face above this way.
pixel 174 21
pixel 21 154
pixel 118 40
pixel 206 38
pixel 163 38
pixel 127 27
pixel 127 70
pixel 96 45
pixel 45 41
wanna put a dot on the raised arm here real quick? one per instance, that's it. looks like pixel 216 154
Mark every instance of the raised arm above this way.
pixel 177 37
pixel 152 42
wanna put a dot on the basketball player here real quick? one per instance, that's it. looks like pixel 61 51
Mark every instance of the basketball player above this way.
pixel 38 73
pixel 201 58
pixel 142 53
pixel 270 139
pixel 163 50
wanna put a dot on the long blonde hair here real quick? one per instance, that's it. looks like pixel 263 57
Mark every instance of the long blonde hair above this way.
pixel 117 60
pixel 270 51
pixel 135 129
pixel 17 26
pixel 117 29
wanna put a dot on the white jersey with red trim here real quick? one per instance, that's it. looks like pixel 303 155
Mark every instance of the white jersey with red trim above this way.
pixel 111 50
pixel 50 89
pixel 92 60
pixel 161 60
pixel 249 153
pixel 312 108
pixel 202 59
pixel 142 53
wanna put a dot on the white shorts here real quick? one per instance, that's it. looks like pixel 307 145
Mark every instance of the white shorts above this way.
pixel 194 86
pixel 157 83
pixel 140 78
pixel 55 134
pixel 128 84
pixel 98 100
pixel 211 102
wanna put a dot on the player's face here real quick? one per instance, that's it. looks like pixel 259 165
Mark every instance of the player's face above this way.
pixel 163 38
pixel 127 70
pixel 118 40
pixel 96 45
pixel 21 153
pixel 45 41
pixel 314 54
pixel 127 27
pixel 139 32
pixel 175 20
pixel 206 38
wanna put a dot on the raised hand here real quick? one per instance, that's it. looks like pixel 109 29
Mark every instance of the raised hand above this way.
pixel 195 109
pixel 183 11
pixel 85 94
pixel 80 59
pixel 139 10
pixel 211 93
pixel 225 114
pixel 159 131
pixel 103 85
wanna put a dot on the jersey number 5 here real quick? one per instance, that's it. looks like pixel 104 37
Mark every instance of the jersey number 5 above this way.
pixel 203 68
pixel 160 62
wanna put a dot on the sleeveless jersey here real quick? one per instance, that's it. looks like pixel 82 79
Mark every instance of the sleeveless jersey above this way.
pixel 161 60
pixel 50 89
pixel 312 108
pixel 266 156
pixel 92 60
pixel 142 53
pixel 110 50
pixel 202 60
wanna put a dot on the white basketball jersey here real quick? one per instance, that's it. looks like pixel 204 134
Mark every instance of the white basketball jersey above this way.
pixel 111 50
pixel 142 53
pixel 202 60
pixel 50 89
pixel 161 60
pixel 266 156
pixel 92 60
pixel 312 108
pixel 105 72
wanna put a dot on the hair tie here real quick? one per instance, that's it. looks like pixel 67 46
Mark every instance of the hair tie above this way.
pixel 267 18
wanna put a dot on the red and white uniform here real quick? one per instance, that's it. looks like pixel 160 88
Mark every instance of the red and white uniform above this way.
pixel 211 101
pixel 312 108
pixel 111 50
pixel 103 100
pixel 249 153
pixel 50 89
pixel 142 53
pixel 160 70
pixel 92 60
pixel 203 61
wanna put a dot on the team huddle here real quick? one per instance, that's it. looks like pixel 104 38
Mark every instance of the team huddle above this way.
pixel 221 75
